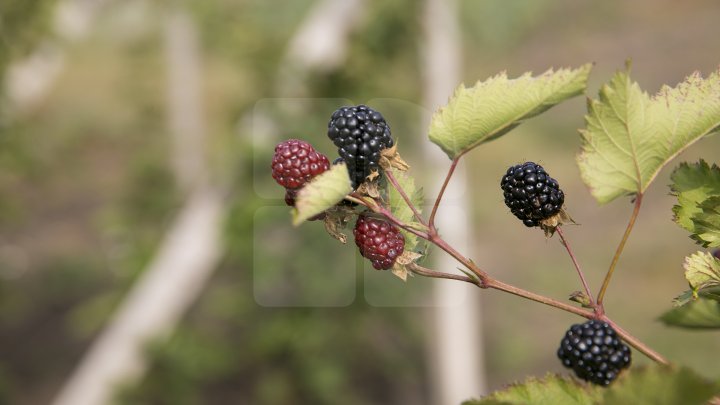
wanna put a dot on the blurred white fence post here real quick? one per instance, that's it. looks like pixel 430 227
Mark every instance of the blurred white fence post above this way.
pixel 319 44
pixel 189 252
pixel 457 347
pixel 185 114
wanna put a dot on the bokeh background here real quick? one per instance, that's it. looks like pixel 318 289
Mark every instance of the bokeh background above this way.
pixel 88 191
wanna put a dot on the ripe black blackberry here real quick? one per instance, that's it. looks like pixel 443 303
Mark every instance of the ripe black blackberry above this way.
pixel 531 194
pixel 295 162
pixel 360 133
pixel 379 241
pixel 594 352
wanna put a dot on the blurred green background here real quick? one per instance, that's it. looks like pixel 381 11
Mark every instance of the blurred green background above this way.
pixel 290 316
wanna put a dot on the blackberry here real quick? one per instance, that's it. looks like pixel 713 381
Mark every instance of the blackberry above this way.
pixel 531 194
pixel 296 162
pixel 594 352
pixel 360 133
pixel 379 241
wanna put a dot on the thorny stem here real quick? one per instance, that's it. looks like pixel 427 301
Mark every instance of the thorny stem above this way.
pixel 618 252
pixel 577 266
pixel 499 285
pixel 451 170
pixel 420 270
pixel 634 342
pixel 394 182
pixel 482 276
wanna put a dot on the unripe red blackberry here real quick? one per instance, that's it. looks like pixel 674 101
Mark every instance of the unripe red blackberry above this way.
pixel 531 194
pixel 360 133
pixel 594 352
pixel 296 162
pixel 379 241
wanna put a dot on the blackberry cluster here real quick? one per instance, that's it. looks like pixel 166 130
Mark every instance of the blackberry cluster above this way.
pixel 359 133
pixel 296 162
pixel 379 241
pixel 531 194
pixel 594 352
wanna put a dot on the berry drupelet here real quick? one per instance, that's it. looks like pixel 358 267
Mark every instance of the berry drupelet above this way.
pixel 531 194
pixel 360 133
pixel 379 241
pixel 594 352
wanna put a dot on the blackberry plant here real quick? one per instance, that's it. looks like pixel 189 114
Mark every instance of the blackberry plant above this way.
pixel 628 138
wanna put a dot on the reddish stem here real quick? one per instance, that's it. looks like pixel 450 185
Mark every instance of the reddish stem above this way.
pixel 394 182
pixel 634 342
pixel 577 266
pixel 451 170
pixel 618 252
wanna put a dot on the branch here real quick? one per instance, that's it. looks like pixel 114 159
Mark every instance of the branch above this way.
pixel 618 252
pixel 499 285
pixel 425 272
pixel 379 209
pixel 576 264
pixel 634 342
pixel 394 182
pixel 451 170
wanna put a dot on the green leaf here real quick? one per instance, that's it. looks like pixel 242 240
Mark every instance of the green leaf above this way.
pixel 630 136
pixel 660 385
pixel 698 307
pixel 707 223
pixel 550 390
pixel 702 270
pixel 693 184
pixel 400 209
pixel 321 193
pixel 494 107
pixel 700 313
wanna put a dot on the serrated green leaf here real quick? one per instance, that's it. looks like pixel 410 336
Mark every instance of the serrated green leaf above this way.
pixel 700 313
pixel 492 108
pixel 630 136
pixel 660 385
pixel 702 270
pixel 321 193
pixel 693 184
pixel 707 223
pixel 550 390
pixel 698 307
pixel 400 209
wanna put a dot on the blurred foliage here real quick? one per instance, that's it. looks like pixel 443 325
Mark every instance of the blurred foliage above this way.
pixel 22 24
